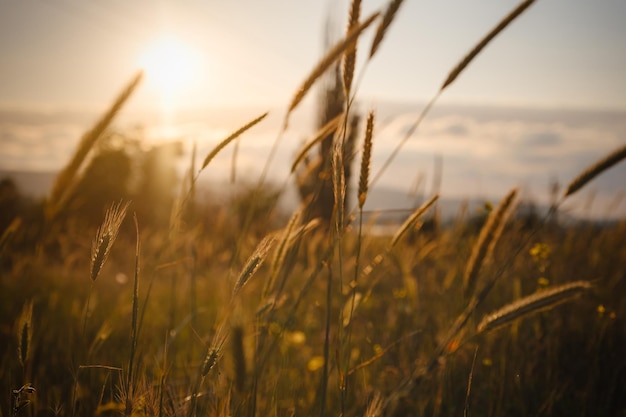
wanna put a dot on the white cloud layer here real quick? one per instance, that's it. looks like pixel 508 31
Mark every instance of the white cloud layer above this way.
pixel 485 151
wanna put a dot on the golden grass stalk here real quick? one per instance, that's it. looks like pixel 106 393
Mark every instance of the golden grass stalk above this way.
pixel 539 301
pixel 229 139
pixel 408 223
pixel 133 324
pixel 65 179
pixel 487 239
pixel 366 160
pixel 254 262
pixel 25 332
pixel 105 237
pixel 239 357
pixel 321 134
pixel 329 59
pixel 349 58
pixel 594 170
pixel 488 38
pixel 388 17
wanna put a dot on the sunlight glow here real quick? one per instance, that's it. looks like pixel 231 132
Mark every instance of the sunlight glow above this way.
pixel 171 68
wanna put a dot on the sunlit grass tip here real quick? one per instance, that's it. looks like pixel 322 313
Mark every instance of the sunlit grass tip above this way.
pixel 106 235
pixel 539 301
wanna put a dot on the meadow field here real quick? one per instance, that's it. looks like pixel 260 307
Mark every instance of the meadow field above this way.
pixel 126 292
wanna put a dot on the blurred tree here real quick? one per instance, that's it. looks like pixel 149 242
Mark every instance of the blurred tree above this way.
pixel 314 178
pixel 10 202
pixel 105 180
pixel 156 183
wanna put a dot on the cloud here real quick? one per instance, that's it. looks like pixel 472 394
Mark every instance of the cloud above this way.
pixel 485 151
pixel 489 155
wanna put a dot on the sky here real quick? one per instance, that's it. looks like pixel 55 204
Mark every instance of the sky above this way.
pixel 543 100
pixel 74 53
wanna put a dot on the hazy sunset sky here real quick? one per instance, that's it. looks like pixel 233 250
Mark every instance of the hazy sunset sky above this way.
pixel 78 54
pixel 544 100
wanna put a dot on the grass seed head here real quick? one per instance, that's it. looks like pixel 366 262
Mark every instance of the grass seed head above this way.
pixel 25 332
pixel 539 301
pixel 105 237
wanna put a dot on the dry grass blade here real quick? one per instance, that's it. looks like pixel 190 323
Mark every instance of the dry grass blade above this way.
pixel 254 262
pixel 331 56
pixel 539 301
pixel 488 38
pixel 66 177
pixel 375 406
pixel 106 235
pixel 229 139
pixel 349 58
pixel 390 14
pixel 595 169
pixel 279 255
pixel 489 235
pixel 408 223
pixel 366 160
pixel 322 133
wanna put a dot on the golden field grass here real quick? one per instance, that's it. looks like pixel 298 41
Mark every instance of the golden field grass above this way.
pixel 241 310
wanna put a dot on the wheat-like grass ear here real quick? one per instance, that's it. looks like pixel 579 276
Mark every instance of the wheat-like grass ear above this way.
pixel 229 139
pixel 349 58
pixel 390 14
pixel 25 332
pixel 534 303
pixel 366 160
pixel 254 262
pixel 329 59
pixel 105 237
pixel 485 41
pixel 594 170
pixel 65 179
pixel 487 239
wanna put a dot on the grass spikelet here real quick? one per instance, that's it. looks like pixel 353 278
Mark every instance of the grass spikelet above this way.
pixel 487 239
pixel 366 160
pixel 254 262
pixel 229 139
pixel 25 332
pixel 213 352
pixel 322 133
pixel 388 17
pixel 105 237
pixel 411 220
pixel 331 56
pixel 339 181
pixel 594 170
pixel 539 301
pixel 64 180
pixel 349 58
pixel 488 38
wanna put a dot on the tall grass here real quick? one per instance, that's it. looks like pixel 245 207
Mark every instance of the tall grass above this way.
pixel 321 318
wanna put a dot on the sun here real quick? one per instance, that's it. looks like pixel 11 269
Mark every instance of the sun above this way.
pixel 171 67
